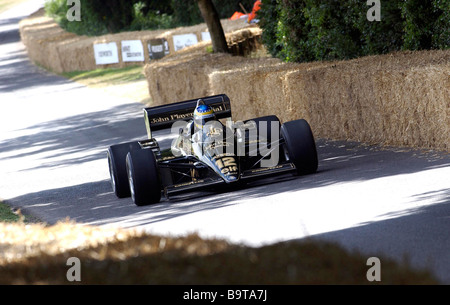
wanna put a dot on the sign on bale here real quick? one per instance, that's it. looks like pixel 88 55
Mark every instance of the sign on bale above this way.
pixel 184 40
pixel 206 36
pixel 132 50
pixel 158 48
pixel 106 53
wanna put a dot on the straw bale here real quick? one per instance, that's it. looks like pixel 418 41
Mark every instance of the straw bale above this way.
pixel 255 87
pixel 59 51
pixel 417 112
pixel 397 99
pixel 41 35
pixel 184 77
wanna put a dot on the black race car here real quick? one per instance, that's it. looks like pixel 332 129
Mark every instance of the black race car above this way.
pixel 224 155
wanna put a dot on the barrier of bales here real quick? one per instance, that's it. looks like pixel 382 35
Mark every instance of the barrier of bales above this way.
pixel 399 99
pixel 184 76
pixel 57 50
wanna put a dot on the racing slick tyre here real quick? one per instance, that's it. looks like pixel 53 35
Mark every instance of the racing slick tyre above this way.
pixel 143 177
pixel 300 146
pixel 117 167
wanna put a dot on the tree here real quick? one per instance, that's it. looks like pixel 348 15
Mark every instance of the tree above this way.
pixel 211 17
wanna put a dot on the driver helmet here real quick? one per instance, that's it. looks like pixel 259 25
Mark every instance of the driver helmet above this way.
pixel 203 114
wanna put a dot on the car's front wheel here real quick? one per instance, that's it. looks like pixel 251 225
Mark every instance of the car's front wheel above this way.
pixel 300 146
pixel 143 177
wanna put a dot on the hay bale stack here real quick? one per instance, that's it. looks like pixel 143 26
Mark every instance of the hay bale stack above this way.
pixel 77 53
pixel 397 99
pixel 416 101
pixel 186 76
pixel 333 97
pixel 57 50
pixel 41 35
pixel 255 87
pixel 244 41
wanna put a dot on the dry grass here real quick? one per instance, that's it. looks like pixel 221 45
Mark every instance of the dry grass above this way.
pixel 37 254
pixel 126 83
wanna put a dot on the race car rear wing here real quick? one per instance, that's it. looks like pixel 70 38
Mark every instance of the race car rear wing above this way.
pixel 163 117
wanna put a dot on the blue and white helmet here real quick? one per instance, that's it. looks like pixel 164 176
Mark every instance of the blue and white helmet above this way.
pixel 203 114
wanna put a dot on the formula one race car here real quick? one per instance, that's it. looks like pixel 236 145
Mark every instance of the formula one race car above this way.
pixel 209 151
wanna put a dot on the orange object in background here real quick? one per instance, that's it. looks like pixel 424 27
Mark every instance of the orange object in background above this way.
pixel 256 7
pixel 238 15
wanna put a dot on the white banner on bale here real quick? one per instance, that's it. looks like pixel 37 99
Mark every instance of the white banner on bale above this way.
pixel 106 53
pixel 132 50
pixel 206 36
pixel 184 40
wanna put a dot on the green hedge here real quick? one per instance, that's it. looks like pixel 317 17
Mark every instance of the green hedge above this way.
pixel 99 17
pixel 308 30
pixel 427 24
pixel 90 23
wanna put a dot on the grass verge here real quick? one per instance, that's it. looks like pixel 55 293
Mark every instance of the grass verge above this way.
pixel 107 76
pixel 7 214
pixel 128 82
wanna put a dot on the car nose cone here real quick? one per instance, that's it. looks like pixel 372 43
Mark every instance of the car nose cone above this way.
pixel 231 178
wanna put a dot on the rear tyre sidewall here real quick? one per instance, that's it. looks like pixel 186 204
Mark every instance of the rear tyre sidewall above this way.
pixel 269 119
pixel 300 145
pixel 143 177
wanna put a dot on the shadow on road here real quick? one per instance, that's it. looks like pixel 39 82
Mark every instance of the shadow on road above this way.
pixel 68 141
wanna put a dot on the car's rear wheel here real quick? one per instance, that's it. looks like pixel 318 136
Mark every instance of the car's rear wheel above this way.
pixel 262 145
pixel 143 177
pixel 300 146
pixel 267 126
pixel 117 167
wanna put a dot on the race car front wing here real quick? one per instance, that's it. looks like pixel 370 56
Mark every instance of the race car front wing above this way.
pixel 245 176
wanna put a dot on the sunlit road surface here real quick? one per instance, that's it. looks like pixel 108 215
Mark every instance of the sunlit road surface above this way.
pixel 53 140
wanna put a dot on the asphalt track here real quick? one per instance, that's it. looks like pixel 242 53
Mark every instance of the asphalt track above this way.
pixel 54 135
